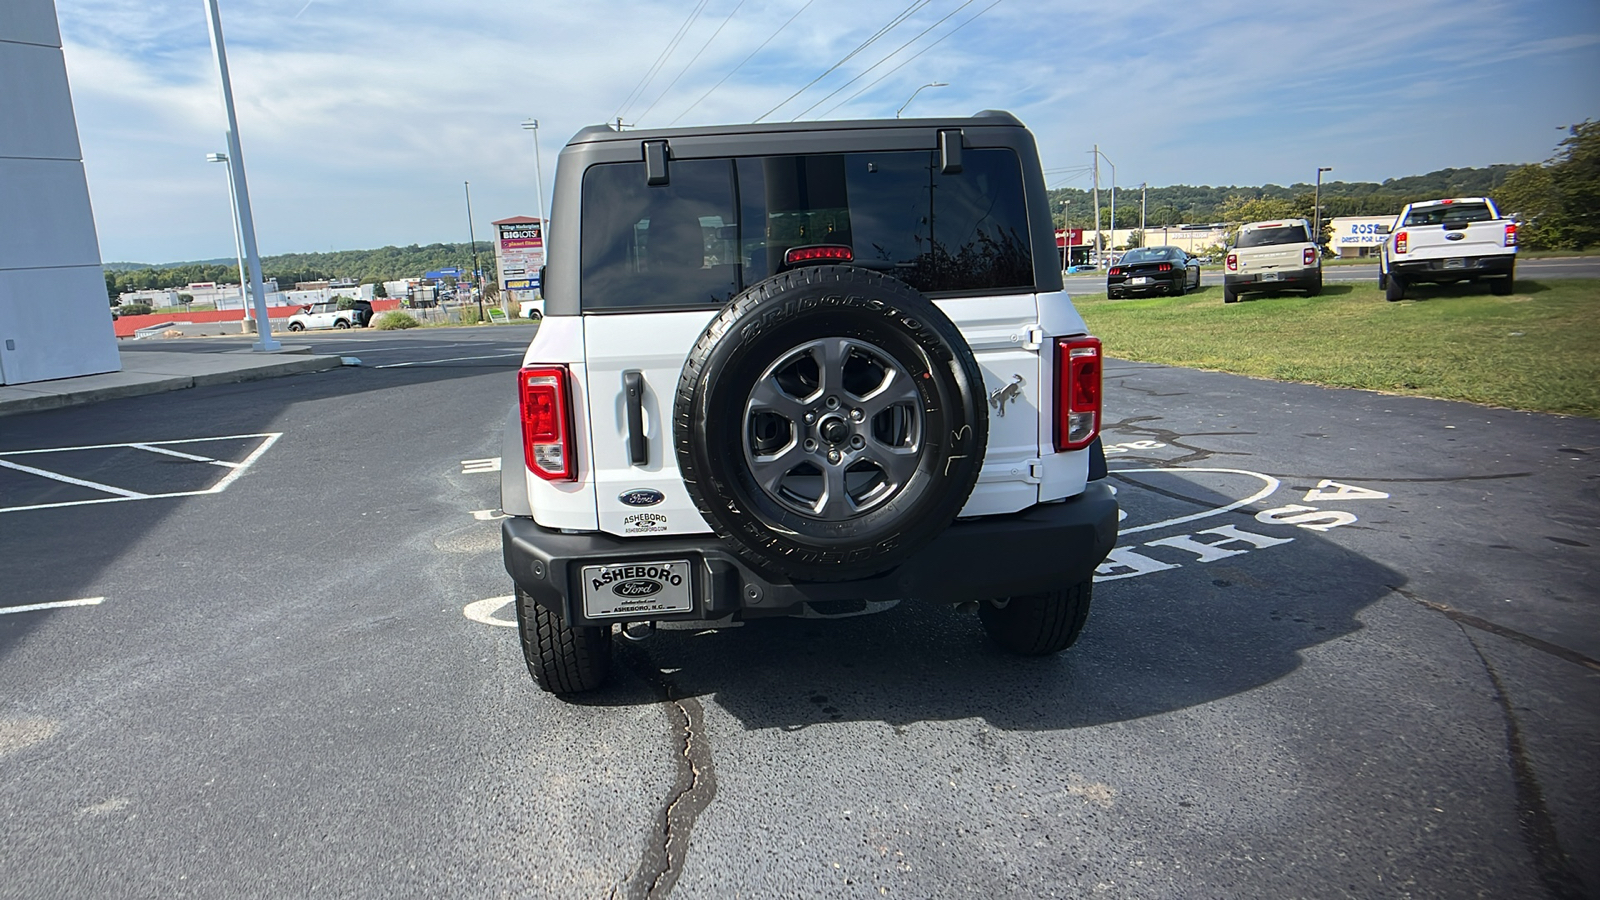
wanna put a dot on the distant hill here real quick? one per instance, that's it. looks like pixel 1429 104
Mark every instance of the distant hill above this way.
pixel 1204 203
pixel 382 264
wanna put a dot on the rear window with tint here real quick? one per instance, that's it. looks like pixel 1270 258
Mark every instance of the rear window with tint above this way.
pixel 1263 237
pixel 1446 214
pixel 721 225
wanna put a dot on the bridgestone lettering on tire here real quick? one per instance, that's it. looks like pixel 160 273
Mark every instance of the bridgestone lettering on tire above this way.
pixel 829 423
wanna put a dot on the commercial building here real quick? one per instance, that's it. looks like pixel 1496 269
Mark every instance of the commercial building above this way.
pixel 1355 236
pixel 55 321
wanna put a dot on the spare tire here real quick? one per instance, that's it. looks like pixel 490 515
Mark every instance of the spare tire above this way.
pixel 830 422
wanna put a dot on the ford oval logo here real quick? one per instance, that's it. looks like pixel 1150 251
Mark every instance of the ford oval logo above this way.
pixel 1455 236
pixel 641 497
pixel 638 587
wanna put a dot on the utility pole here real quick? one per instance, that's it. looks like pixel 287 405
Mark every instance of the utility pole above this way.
pixel 1066 236
pixel 1099 253
pixel 473 239
pixel 1144 189
pixel 241 191
pixel 1316 210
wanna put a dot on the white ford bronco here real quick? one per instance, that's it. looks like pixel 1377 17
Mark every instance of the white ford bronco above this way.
pixel 1445 241
pixel 1271 257
pixel 784 369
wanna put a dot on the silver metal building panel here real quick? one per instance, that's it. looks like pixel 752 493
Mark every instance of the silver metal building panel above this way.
pixel 54 315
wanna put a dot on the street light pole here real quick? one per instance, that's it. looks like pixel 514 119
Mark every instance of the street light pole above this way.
pixel 1099 156
pixel 472 240
pixel 1316 210
pixel 241 191
pixel 1144 194
pixel 538 170
pixel 914 96
pixel 1066 236
pixel 238 245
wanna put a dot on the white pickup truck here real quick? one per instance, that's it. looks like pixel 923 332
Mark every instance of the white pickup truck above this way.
pixel 1445 241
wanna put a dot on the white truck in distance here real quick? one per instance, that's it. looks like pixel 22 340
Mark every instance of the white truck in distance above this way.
pixel 1445 241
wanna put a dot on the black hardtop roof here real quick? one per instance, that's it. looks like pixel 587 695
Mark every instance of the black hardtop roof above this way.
pixel 608 133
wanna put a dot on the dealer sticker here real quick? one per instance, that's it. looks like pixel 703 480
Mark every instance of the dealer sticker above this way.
pixel 637 589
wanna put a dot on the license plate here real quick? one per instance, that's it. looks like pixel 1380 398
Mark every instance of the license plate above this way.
pixel 1140 279
pixel 636 588
pixel 1455 264
pixel 1269 276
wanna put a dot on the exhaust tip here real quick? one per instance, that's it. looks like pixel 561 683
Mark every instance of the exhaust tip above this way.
pixel 638 631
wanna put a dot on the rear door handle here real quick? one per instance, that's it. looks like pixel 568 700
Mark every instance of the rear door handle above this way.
pixel 638 444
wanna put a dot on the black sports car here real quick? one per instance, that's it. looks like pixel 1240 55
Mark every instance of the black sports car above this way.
pixel 1153 270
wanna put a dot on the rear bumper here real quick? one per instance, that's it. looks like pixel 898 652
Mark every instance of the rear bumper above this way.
pixel 1164 283
pixel 1274 280
pixel 1453 268
pixel 1052 545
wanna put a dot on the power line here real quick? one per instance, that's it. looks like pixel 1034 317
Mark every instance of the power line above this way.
pixel 910 58
pixel 661 60
pixel 903 15
pixel 691 61
pixel 885 59
pixel 752 55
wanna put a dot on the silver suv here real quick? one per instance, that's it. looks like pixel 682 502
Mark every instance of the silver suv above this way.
pixel 788 367
pixel 1272 256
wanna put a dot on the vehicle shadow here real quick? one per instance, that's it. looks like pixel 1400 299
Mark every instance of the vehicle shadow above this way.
pixel 1163 641
pixel 1463 289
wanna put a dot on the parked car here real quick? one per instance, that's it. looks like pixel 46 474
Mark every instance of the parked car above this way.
pixel 1272 257
pixel 313 316
pixel 761 388
pixel 1446 241
pixel 1153 270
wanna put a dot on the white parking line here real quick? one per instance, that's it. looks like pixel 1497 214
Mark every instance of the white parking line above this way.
pixel 59 604
pixel 56 476
pixel 122 495
pixel 424 362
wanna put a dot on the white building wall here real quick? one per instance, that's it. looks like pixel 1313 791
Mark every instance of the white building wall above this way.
pixel 55 319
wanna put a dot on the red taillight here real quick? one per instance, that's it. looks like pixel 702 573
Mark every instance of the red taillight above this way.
pixel 818 253
pixel 1511 234
pixel 1309 258
pixel 1233 262
pixel 547 423
pixel 1400 242
pixel 1164 267
pixel 1077 392
pixel 1115 270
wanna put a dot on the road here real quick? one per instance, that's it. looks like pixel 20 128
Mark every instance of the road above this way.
pixel 1347 648
pixel 1555 267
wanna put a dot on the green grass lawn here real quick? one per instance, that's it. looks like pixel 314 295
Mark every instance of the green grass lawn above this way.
pixel 1538 349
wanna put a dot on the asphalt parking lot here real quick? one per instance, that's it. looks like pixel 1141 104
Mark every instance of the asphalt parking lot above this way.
pixel 1347 646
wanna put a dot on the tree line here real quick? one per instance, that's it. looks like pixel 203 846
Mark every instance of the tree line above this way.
pixel 364 266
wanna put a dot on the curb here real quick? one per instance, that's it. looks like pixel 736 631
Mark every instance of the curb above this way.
pixel 154 384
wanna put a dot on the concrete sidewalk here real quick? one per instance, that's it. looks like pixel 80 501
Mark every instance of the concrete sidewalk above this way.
pixel 154 371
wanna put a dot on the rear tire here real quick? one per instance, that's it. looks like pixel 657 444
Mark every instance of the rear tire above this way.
pixel 562 658
pixel 296 326
pixel 1229 295
pixel 1181 286
pixel 1502 287
pixel 1316 286
pixel 1037 624
pixel 1395 289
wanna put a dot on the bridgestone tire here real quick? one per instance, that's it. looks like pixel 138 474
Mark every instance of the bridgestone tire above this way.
pixel 839 536
pixel 1395 290
pixel 1038 624
pixel 1502 287
pixel 563 659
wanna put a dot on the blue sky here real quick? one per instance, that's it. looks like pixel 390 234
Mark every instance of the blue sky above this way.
pixel 360 120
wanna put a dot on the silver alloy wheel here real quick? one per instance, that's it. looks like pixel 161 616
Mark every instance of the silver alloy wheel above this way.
pixel 833 428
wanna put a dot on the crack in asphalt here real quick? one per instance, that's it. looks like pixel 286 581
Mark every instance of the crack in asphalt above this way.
pixel 1554 866
pixel 693 788
pixel 1466 619
pixel 1168 437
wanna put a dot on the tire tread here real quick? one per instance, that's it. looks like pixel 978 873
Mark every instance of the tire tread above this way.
pixel 1039 624
pixel 563 659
